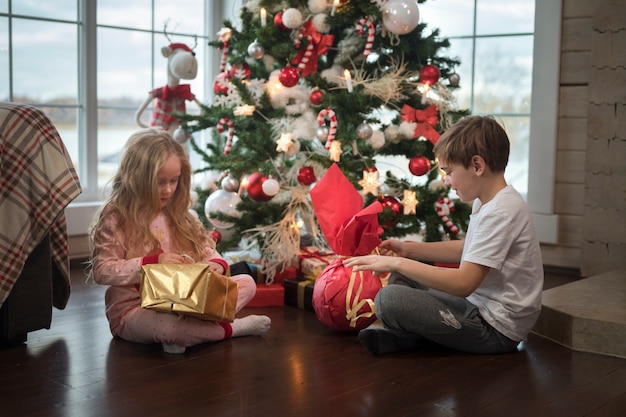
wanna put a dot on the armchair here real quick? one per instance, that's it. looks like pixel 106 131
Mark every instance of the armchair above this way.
pixel 37 182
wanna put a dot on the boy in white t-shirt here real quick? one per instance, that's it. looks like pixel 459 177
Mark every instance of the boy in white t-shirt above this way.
pixel 491 301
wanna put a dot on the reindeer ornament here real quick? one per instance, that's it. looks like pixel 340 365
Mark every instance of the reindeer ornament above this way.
pixel 170 99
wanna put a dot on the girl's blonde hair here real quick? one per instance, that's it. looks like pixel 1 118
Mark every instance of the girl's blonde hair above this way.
pixel 135 201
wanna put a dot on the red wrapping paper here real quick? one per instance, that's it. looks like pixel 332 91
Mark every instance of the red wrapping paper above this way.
pixel 344 300
pixel 349 229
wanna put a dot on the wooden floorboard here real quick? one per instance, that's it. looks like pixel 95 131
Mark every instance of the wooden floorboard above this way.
pixel 299 368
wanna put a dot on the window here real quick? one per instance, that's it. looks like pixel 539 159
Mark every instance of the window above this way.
pixel 494 42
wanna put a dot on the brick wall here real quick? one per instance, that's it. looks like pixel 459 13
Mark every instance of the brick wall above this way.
pixel 604 206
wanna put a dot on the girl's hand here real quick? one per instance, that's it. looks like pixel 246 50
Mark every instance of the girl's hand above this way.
pixel 174 258
pixel 215 267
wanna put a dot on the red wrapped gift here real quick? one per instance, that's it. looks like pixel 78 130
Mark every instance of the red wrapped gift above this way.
pixel 345 304
pixel 272 295
pixel 342 299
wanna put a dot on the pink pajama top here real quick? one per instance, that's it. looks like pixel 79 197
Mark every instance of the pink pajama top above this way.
pixel 121 269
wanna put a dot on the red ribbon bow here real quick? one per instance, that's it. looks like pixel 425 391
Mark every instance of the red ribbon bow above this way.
pixel 321 43
pixel 425 120
pixel 182 91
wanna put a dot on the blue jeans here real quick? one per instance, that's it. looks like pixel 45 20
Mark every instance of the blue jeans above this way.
pixel 411 310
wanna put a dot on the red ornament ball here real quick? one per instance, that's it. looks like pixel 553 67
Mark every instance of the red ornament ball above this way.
pixel 289 76
pixel 278 22
pixel 429 74
pixel 330 294
pixel 306 176
pixel 255 187
pixel 419 165
pixel 220 85
pixel 316 97
pixel 216 236
pixel 242 70
pixel 391 204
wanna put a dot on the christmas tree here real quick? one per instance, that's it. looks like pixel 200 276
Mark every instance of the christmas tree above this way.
pixel 305 84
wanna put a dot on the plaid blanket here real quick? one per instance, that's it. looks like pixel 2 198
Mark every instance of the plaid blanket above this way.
pixel 37 182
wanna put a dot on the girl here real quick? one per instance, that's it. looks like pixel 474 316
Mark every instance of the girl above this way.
pixel 147 220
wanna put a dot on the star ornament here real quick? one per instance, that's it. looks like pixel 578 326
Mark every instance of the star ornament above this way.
pixel 370 182
pixel 285 141
pixel 335 151
pixel 244 110
pixel 409 202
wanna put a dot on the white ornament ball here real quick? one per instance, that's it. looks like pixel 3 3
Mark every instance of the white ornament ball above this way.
pixel 317 6
pixel 377 140
pixel 221 201
pixel 320 23
pixel 401 16
pixel 436 185
pixel 230 184
pixel 270 187
pixel 292 18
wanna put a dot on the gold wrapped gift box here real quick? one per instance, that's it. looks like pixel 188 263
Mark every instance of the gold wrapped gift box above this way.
pixel 190 289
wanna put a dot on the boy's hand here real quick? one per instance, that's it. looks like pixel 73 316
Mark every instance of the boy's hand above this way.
pixel 378 264
pixel 392 247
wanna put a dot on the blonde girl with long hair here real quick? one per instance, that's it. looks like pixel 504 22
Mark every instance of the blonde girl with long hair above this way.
pixel 145 220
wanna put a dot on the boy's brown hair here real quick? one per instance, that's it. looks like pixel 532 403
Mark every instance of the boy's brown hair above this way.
pixel 475 135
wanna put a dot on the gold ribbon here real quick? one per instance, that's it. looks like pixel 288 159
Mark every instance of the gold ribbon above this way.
pixel 352 308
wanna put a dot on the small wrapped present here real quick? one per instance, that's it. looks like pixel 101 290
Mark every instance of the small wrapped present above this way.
pixel 312 261
pixel 299 293
pixel 190 289
pixel 272 295
pixel 256 272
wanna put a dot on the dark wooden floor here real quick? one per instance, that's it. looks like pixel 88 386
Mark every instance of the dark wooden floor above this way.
pixel 299 368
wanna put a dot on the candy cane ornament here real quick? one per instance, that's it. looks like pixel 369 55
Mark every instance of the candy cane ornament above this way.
pixel 371 30
pixel 224 36
pixel 221 124
pixel 444 206
pixel 224 57
pixel 329 114
pixel 307 53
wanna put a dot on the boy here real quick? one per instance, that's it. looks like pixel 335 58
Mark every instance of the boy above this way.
pixel 491 302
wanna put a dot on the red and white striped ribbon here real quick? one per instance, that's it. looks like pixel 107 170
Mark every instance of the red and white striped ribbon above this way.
pixel 329 114
pixel 444 206
pixel 307 53
pixel 221 124
pixel 371 30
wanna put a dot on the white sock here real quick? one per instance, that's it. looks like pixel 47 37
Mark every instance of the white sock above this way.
pixel 252 325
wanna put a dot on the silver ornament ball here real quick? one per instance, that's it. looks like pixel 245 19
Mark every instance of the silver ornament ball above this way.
pixel 256 50
pixel 364 131
pixel 454 79
pixel 230 184
pixel 322 133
